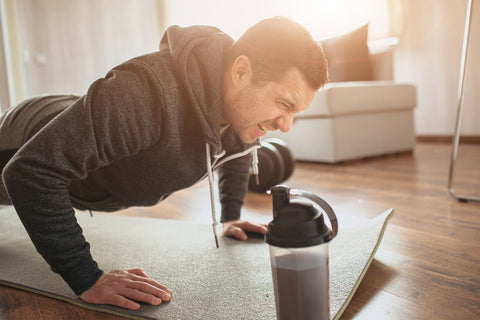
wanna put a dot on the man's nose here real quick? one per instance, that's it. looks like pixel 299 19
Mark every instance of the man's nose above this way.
pixel 284 122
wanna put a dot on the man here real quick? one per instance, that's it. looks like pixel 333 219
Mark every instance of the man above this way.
pixel 153 126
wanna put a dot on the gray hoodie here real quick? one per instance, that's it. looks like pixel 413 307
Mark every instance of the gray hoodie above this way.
pixel 138 135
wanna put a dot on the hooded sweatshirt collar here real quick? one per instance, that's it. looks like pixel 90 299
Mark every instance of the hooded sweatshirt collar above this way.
pixel 197 53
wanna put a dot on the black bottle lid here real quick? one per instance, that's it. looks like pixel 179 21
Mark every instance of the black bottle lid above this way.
pixel 296 223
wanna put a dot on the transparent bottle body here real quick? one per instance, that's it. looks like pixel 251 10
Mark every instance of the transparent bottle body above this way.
pixel 301 282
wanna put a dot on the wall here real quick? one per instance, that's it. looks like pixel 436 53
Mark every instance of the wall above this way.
pixel 428 55
pixel 65 45
pixel 4 94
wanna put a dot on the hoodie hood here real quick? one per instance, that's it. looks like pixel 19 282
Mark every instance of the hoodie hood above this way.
pixel 197 53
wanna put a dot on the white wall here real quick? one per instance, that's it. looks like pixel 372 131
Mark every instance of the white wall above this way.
pixel 4 94
pixel 429 54
pixel 323 18
pixel 65 45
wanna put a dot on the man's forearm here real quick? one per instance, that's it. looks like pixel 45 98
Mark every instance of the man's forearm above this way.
pixel 50 221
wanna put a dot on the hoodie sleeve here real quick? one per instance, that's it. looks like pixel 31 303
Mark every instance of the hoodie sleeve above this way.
pixel 233 185
pixel 117 118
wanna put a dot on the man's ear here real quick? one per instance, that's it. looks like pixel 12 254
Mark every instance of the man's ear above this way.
pixel 241 71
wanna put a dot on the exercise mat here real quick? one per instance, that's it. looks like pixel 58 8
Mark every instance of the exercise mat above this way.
pixel 232 282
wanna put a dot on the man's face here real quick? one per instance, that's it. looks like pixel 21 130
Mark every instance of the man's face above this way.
pixel 254 109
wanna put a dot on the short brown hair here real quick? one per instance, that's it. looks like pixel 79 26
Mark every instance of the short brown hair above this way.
pixel 274 45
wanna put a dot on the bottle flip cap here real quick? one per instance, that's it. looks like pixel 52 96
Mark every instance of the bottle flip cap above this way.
pixel 297 223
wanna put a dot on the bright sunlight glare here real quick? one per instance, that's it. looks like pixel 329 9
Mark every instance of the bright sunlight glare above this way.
pixel 323 18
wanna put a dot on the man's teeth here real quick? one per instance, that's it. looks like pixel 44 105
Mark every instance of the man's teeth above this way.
pixel 262 128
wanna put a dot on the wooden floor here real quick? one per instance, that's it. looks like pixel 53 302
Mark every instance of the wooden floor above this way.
pixel 428 266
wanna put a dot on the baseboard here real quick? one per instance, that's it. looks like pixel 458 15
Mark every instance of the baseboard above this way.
pixel 448 139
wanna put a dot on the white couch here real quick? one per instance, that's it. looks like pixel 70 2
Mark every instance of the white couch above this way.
pixel 351 120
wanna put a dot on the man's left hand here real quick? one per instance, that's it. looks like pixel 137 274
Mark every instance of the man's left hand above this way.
pixel 239 228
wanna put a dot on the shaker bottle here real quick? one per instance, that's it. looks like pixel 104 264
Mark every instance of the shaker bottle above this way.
pixel 298 242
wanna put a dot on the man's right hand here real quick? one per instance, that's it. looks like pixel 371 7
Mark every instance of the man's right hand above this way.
pixel 124 288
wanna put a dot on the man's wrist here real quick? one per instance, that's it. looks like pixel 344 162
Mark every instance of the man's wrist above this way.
pixel 230 212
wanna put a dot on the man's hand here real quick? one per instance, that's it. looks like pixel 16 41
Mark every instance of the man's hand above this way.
pixel 124 288
pixel 239 228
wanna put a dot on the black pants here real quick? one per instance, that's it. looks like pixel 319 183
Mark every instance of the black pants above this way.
pixel 5 156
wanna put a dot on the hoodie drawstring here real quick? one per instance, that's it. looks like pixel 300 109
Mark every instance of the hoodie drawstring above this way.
pixel 212 196
pixel 255 166
pixel 211 179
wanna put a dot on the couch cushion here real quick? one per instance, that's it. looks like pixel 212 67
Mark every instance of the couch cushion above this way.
pixel 342 98
pixel 348 56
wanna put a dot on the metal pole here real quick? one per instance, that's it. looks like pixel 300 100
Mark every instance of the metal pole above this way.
pixel 460 94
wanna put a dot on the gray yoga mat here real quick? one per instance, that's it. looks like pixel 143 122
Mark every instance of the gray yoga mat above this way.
pixel 233 282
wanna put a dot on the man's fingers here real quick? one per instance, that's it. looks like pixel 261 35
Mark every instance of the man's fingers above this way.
pixel 238 233
pixel 123 302
pixel 253 227
pixel 141 292
pixel 138 272
pixel 142 296
pixel 150 282
pixel 238 228
pixel 144 287
pixel 124 288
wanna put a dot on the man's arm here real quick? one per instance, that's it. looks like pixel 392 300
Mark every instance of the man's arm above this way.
pixel 233 185
pixel 233 182
pixel 106 125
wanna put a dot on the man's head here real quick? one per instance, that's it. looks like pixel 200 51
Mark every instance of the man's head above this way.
pixel 271 73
